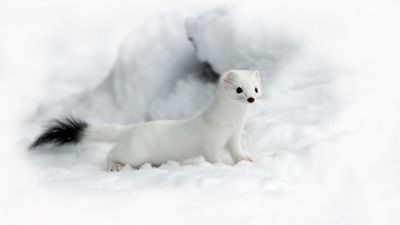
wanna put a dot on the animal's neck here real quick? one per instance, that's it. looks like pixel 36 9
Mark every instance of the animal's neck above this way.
pixel 223 110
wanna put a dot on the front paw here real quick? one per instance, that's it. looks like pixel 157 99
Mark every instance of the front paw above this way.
pixel 246 158
pixel 249 158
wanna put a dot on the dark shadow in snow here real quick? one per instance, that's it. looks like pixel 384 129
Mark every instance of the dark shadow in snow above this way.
pixel 209 73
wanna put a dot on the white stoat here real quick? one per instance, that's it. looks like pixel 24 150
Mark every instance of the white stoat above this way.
pixel 216 129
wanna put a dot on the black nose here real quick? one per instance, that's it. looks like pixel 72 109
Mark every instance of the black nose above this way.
pixel 250 99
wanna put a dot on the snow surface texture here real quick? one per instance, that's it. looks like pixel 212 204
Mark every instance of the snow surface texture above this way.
pixel 324 136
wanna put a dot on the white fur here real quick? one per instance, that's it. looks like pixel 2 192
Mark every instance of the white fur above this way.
pixel 216 129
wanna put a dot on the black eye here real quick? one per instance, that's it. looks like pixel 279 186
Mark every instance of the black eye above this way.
pixel 256 90
pixel 239 90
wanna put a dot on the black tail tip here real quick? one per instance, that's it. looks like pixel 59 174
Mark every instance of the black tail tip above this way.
pixel 60 132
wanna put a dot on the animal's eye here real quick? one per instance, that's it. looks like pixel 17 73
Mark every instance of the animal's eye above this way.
pixel 256 90
pixel 239 90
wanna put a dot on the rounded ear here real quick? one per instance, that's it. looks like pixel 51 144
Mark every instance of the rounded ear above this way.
pixel 257 74
pixel 229 77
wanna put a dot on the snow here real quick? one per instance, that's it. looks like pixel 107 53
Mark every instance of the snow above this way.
pixel 324 135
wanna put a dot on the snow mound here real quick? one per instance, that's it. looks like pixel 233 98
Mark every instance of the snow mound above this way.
pixel 149 65
pixel 229 38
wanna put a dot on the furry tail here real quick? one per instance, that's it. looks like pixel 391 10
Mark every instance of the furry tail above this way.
pixel 74 131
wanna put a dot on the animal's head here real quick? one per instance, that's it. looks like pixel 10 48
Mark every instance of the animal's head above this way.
pixel 241 85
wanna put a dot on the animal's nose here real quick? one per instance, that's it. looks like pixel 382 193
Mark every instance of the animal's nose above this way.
pixel 251 99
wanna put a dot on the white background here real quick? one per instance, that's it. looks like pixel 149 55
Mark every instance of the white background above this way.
pixel 50 50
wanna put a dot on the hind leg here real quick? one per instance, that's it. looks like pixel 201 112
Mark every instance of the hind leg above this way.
pixel 114 166
pixel 126 153
pixel 119 157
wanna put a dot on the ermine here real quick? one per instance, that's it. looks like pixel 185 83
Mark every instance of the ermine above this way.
pixel 218 128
